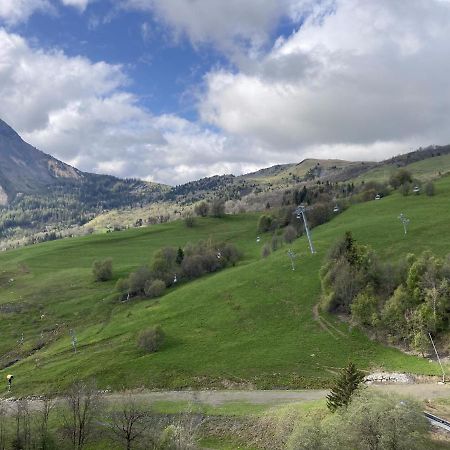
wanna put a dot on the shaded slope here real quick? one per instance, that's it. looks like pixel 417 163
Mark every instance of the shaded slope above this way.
pixel 25 169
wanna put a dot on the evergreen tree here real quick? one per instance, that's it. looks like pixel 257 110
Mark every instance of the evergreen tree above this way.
pixel 180 256
pixel 344 386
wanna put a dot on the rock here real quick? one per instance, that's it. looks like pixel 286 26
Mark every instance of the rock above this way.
pixel 385 377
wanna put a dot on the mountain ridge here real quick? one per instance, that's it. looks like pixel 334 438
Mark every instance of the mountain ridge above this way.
pixel 25 169
pixel 40 194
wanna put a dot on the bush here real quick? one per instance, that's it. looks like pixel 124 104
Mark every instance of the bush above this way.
pixel 151 340
pixel 265 252
pixel 165 264
pixel 400 178
pixel 192 266
pixel 430 189
pixel 264 223
pixel 123 286
pixel 189 221
pixel 231 254
pixel 319 214
pixel 138 280
pixel 290 234
pixel 218 208
pixel 201 209
pixel 155 288
pixel 405 189
pixel 365 309
pixel 373 420
pixel 276 242
pixel 102 270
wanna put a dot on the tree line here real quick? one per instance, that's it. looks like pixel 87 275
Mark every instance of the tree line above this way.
pixel 398 302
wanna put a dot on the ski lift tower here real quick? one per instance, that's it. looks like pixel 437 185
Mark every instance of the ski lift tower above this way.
pixel 300 213
pixel 292 257
pixel 405 221
pixel 74 340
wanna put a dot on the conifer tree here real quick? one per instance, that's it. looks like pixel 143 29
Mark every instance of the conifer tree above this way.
pixel 180 256
pixel 344 386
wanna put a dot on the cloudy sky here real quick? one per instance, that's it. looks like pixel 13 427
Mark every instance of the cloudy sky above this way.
pixel 174 90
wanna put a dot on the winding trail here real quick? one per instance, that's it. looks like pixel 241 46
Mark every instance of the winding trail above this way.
pixel 326 325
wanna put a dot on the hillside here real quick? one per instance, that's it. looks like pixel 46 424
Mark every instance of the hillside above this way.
pixel 308 170
pixel 43 199
pixel 39 192
pixel 249 325
pixel 24 169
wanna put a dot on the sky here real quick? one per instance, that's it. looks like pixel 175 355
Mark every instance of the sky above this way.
pixel 175 90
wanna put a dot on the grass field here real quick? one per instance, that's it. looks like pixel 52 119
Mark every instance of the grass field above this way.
pixel 425 170
pixel 251 325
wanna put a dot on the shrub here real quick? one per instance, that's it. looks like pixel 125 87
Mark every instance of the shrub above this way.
pixel 217 207
pixel 405 189
pixel 165 264
pixel 189 221
pixel 155 288
pixel 276 242
pixel 264 223
pixel 201 209
pixel 192 266
pixel 231 254
pixel 320 213
pixel 123 286
pixel 373 420
pixel 365 309
pixel 102 270
pixel 430 189
pixel 137 280
pixel 289 234
pixel 210 262
pixel 399 178
pixel 265 252
pixel 151 340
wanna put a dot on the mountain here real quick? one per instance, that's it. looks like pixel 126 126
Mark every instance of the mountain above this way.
pixel 39 192
pixel 25 169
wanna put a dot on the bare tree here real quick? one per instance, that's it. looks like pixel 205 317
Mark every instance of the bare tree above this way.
pixel 43 418
pixel 2 426
pixel 83 401
pixel 129 423
pixel 22 439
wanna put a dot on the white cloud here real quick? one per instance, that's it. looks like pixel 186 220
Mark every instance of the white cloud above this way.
pixel 362 76
pixel 232 25
pixel 358 80
pixel 16 11
pixel 79 4
pixel 81 112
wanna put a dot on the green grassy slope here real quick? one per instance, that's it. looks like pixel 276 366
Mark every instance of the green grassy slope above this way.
pixel 282 175
pixel 250 324
pixel 424 170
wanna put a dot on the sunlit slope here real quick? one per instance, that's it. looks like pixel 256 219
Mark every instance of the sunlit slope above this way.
pixel 252 324
pixel 427 169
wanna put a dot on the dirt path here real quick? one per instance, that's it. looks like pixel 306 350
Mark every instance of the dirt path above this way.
pixel 325 324
pixel 420 392
pixel 216 398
